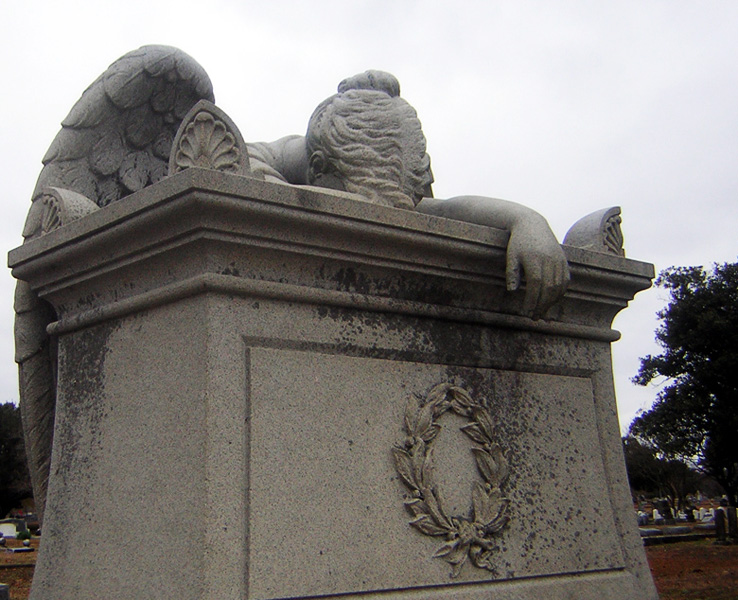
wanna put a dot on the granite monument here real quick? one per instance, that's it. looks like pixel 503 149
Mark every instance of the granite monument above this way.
pixel 321 380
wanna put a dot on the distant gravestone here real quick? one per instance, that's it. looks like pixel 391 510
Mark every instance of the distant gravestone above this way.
pixel 732 524
pixel 4 591
pixel 720 527
pixel 8 530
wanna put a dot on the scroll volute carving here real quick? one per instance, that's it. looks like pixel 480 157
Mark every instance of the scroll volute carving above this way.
pixel 209 139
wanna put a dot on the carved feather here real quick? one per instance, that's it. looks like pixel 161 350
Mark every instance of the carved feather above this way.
pixel 115 141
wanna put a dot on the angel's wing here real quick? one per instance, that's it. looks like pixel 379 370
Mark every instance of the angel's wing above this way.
pixel 115 141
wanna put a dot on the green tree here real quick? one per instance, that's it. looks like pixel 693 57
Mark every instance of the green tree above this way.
pixel 642 465
pixel 695 415
pixel 15 482
pixel 652 476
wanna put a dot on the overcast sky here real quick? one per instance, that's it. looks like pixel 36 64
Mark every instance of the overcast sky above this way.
pixel 563 106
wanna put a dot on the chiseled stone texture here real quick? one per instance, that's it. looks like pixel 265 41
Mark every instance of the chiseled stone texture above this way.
pixel 235 358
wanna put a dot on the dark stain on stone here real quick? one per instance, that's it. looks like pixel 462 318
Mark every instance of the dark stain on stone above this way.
pixel 231 270
pixel 82 359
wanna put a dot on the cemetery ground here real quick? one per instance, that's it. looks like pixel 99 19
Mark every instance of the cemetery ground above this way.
pixel 696 570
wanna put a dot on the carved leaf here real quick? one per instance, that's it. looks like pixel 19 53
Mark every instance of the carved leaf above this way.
pixel 460 408
pixel 497 524
pixel 434 508
pixel 419 457
pixel 481 557
pixel 438 393
pixel 479 502
pixel 441 407
pixel 425 418
pixel 491 506
pixel 425 524
pixel 486 464
pixel 461 396
pixel 404 466
pixel 475 433
pixel 503 470
pixel 417 507
pixel 430 434
pixel 412 408
pixel 452 546
pixel 427 469
pixel 485 422
pixel 455 554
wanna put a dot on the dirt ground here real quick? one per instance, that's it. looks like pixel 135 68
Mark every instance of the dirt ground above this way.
pixel 682 571
pixel 695 570
pixel 16 569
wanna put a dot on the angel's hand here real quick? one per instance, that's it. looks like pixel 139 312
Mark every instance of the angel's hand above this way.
pixel 534 250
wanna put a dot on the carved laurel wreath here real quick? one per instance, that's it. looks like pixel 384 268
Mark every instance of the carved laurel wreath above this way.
pixel 465 536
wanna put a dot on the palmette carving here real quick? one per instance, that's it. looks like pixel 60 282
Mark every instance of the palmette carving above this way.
pixel 209 139
pixel 61 207
pixel 599 231
pixel 466 537
pixel 613 234
pixel 207 144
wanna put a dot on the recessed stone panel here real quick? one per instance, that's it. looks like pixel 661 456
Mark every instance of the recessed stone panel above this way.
pixel 326 511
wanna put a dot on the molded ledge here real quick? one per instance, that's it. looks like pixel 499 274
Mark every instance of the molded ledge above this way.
pixel 201 231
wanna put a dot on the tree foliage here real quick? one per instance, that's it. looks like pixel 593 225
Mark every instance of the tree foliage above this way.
pixel 15 482
pixel 655 477
pixel 695 416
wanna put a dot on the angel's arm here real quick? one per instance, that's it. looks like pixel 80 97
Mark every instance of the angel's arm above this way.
pixel 284 160
pixel 532 246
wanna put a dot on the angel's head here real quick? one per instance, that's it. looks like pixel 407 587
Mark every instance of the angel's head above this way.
pixel 367 140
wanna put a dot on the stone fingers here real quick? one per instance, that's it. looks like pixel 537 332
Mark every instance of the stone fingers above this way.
pixel 546 282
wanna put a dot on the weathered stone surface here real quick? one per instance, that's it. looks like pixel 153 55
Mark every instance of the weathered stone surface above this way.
pixel 235 360
pixel 116 140
pixel 365 140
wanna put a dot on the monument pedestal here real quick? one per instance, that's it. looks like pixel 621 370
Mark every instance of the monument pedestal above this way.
pixel 235 363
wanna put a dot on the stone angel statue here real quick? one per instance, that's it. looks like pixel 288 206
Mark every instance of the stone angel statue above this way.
pixel 365 140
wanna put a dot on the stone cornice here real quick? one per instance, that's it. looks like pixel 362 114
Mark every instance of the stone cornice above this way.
pixel 200 231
